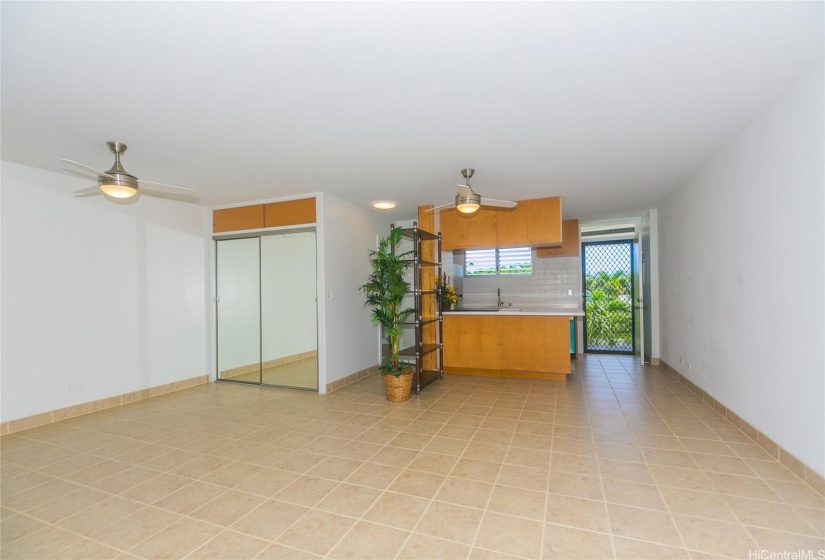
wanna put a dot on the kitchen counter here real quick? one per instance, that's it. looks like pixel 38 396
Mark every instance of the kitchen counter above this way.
pixel 540 311
pixel 529 344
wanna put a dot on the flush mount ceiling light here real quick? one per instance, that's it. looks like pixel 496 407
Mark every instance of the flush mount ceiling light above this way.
pixel 383 204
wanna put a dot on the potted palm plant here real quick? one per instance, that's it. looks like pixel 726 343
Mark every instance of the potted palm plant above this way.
pixel 385 290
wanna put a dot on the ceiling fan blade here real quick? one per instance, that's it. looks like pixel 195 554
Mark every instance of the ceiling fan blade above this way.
pixel 465 191
pixel 172 188
pixel 168 195
pixel 434 208
pixel 92 169
pixel 88 191
pixel 499 203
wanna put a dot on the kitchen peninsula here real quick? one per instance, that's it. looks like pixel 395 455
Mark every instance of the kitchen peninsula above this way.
pixel 532 343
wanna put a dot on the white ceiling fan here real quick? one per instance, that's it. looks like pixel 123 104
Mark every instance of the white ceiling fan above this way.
pixel 467 201
pixel 118 183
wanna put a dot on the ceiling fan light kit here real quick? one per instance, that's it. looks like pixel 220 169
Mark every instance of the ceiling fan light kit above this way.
pixel 467 201
pixel 468 204
pixel 118 183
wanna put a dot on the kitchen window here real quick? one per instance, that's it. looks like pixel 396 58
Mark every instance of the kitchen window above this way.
pixel 508 261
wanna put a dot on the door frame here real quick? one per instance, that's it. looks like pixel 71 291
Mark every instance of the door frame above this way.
pixel 584 246
pixel 259 235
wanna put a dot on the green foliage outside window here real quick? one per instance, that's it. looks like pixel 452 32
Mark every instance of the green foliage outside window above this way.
pixel 609 313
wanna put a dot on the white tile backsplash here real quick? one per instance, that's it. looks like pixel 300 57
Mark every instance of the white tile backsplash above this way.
pixel 552 281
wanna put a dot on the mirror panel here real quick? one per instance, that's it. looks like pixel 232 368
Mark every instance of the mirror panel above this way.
pixel 238 309
pixel 289 324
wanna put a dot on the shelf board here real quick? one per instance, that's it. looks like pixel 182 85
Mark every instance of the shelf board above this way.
pixel 422 263
pixel 422 234
pixel 426 349
pixel 423 322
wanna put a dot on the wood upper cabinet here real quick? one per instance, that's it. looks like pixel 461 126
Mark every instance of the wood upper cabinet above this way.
pixel 290 212
pixel 453 230
pixel 534 222
pixel 257 216
pixel 235 219
pixel 543 221
pixel 481 228
pixel 569 245
pixel 511 226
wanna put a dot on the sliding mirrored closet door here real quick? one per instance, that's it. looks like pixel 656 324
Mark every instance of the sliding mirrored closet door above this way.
pixel 239 309
pixel 286 313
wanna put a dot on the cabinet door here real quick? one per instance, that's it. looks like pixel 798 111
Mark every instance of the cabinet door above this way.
pixel 511 226
pixel 453 230
pixel 290 212
pixel 543 221
pixel 472 342
pixel 569 245
pixel 540 344
pixel 481 228
pixel 236 219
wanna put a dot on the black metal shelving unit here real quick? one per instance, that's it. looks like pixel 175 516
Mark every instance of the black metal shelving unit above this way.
pixel 423 377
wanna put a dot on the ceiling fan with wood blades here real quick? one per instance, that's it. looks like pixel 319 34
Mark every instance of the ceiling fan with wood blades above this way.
pixel 118 183
pixel 468 201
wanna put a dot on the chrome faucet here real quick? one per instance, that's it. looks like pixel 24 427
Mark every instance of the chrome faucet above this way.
pixel 500 303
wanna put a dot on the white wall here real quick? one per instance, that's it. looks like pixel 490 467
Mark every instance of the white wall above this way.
pixel 349 341
pixel 742 248
pixel 99 298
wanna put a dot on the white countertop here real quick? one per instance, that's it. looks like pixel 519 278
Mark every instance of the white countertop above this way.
pixel 537 310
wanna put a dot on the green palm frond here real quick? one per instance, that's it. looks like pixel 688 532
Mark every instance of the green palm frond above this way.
pixel 384 293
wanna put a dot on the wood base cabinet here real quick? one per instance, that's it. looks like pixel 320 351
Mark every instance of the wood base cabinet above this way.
pixel 504 345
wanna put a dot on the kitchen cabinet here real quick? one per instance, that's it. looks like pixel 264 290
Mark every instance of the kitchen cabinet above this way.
pixel 257 216
pixel 536 344
pixel 569 245
pixel 236 219
pixel 504 345
pixel 289 212
pixel 534 222
pixel 543 221
pixel 481 228
pixel 511 226
pixel 472 342
pixel 453 229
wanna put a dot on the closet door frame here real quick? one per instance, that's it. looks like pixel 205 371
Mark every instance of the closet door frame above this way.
pixel 259 236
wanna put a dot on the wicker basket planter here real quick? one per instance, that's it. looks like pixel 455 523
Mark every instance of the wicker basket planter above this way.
pixel 398 388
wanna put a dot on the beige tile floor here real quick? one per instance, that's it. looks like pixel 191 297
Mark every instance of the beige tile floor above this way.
pixel 618 462
pixel 302 374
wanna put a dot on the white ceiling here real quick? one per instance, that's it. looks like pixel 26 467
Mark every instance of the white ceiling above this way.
pixel 610 105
